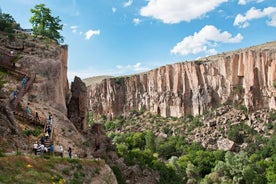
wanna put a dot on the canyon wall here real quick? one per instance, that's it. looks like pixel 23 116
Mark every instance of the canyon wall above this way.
pixel 243 77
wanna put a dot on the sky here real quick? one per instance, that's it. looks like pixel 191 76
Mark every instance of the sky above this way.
pixel 123 37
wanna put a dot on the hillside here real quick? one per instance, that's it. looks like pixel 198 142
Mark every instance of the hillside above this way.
pixel 25 169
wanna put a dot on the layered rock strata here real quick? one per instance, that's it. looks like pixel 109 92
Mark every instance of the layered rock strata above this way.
pixel 245 77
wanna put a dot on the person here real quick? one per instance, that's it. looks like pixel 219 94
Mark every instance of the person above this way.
pixel 70 152
pixel 35 147
pixel 46 135
pixel 52 149
pixel 36 116
pixel 14 94
pixel 24 82
pixel 42 140
pixel 61 151
pixel 49 130
pixel 42 148
pixel 28 111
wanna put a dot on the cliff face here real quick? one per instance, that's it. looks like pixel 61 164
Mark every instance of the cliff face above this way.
pixel 246 77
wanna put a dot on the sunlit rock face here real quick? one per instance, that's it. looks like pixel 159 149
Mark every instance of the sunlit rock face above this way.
pixel 245 77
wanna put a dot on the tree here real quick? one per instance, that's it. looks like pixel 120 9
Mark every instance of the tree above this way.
pixel 44 24
pixel 7 23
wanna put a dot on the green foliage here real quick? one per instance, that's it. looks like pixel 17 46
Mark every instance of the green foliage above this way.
pixel 34 132
pixel 118 80
pixel 150 141
pixel 7 23
pixel 118 174
pixel 135 140
pixel 109 125
pixel 91 119
pixel 235 133
pixel 167 174
pixel 44 24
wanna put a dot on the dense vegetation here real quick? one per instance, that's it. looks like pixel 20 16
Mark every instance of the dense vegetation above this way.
pixel 179 161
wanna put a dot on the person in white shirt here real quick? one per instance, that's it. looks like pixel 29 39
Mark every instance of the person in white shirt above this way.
pixel 42 148
pixel 35 147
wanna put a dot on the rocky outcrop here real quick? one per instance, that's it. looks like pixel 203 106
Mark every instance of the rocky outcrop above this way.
pixel 246 76
pixel 105 176
pixel 78 105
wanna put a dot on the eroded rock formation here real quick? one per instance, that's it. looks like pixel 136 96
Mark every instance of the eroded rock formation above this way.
pixel 244 77
pixel 78 105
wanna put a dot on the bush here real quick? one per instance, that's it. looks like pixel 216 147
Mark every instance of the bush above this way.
pixel 34 132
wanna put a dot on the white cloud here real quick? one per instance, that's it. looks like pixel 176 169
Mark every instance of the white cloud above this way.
pixel 244 2
pixel 114 9
pixel 136 21
pixel 74 28
pixel 128 3
pixel 128 69
pixel 253 13
pixel 203 41
pixel 175 11
pixel 91 33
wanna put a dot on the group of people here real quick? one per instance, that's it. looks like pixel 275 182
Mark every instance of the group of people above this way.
pixel 43 149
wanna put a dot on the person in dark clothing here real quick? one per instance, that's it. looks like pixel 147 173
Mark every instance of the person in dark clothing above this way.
pixel 49 130
pixel 42 140
pixel 70 152
pixel 36 116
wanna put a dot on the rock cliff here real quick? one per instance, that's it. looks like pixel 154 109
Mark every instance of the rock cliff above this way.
pixel 245 77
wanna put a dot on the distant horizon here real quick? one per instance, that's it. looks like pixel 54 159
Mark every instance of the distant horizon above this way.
pixel 126 37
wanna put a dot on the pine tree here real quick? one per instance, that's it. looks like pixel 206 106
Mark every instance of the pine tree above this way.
pixel 44 24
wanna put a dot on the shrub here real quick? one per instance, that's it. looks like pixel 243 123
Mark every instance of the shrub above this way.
pixel 34 132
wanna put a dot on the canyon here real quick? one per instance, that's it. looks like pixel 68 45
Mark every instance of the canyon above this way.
pixel 245 76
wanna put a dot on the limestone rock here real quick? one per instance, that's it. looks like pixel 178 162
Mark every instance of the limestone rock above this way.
pixel 244 77
pixel 225 144
pixel 78 105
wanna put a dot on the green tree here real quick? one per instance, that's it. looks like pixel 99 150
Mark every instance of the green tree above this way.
pixel 150 143
pixel 7 23
pixel 44 24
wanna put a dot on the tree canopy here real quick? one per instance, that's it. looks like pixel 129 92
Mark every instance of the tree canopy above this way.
pixel 44 24
pixel 7 23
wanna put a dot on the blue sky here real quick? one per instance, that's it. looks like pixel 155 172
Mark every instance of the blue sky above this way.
pixel 122 37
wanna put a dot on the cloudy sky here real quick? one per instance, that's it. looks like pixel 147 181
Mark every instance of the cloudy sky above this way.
pixel 121 37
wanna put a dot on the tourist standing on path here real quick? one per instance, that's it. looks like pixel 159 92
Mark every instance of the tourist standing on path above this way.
pixel 61 151
pixel 24 82
pixel 14 94
pixel 35 148
pixel 52 148
pixel 28 111
pixel 36 117
pixel 70 152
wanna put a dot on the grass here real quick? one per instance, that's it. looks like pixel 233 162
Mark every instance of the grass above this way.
pixel 28 170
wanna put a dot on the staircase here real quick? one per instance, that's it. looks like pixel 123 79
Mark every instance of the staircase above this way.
pixel 6 59
pixel 23 90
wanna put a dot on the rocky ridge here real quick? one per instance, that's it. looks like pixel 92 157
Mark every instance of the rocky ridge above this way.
pixel 246 76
